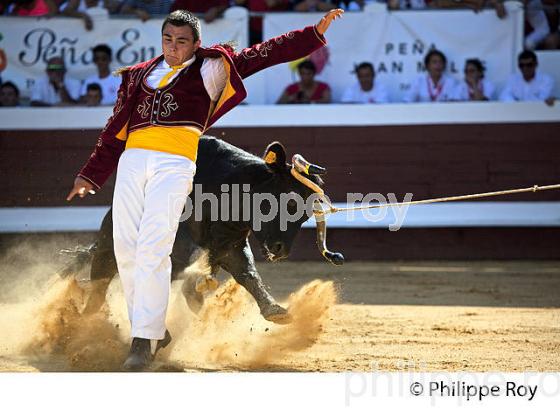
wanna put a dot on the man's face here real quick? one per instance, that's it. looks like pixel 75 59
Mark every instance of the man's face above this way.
pixel 93 98
pixel 101 60
pixel 436 65
pixel 306 75
pixel 8 97
pixel 56 70
pixel 178 44
pixel 365 77
pixel 528 67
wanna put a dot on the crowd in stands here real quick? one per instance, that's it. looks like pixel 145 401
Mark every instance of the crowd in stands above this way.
pixel 529 84
pixel 56 88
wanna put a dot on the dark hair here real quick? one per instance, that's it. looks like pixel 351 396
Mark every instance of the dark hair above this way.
pixel 181 18
pixel 307 65
pixel 527 54
pixel 11 85
pixel 434 52
pixel 94 87
pixel 362 65
pixel 103 48
pixel 477 63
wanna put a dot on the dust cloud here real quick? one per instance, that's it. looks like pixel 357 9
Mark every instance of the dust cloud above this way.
pixel 44 328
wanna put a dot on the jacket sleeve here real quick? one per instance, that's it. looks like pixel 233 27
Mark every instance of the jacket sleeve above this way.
pixel 282 49
pixel 112 141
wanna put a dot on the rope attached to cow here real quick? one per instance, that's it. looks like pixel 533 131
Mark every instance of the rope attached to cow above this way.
pixel 534 188
pixel 301 166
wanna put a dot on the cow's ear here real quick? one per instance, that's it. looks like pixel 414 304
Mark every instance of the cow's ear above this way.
pixel 275 155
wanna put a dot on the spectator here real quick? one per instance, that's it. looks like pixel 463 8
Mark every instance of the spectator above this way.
pixel 368 89
pixel 529 85
pixel 312 5
pixel 55 88
pixel 144 9
pixel 9 95
pixel 475 87
pixel 94 95
pixel 35 8
pixel 307 91
pixel 434 85
pixel 255 22
pixel 212 9
pixel 102 54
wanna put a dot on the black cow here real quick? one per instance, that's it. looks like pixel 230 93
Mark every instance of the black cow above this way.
pixel 224 242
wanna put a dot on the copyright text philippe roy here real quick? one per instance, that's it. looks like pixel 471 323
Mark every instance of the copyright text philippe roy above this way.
pixel 472 391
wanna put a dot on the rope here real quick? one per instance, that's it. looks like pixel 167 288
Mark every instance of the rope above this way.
pixel 534 188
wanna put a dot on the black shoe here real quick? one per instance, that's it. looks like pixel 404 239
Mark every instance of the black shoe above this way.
pixel 140 355
pixel 162 344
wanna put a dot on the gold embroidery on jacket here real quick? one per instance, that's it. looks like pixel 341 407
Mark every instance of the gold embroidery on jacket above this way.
pixel 168 105
pixel 144 108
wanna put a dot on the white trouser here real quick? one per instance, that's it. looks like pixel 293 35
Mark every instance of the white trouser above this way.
pixel 150 192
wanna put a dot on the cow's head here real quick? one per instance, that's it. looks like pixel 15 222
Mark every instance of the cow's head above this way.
pixel 294 187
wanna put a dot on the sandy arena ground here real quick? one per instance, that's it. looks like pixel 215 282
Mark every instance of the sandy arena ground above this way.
pixel 426 316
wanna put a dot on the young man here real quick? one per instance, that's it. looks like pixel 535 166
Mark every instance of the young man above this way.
pixel 55 88
pixel 94 95
pixel 163 107
pixel 367 90
pixel 529 84
pixel 102 56
pixel 9 95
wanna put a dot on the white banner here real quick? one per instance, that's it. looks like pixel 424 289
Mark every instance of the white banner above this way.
pixel 396 42
pixel 29 42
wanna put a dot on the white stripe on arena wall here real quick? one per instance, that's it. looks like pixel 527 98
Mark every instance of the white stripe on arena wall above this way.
pixel 332 115
pixel 450 215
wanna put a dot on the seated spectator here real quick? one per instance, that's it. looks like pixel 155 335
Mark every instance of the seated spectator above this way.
pixel 55 88
pixel 352 5
pixel 102 54
pixel 212 9
pixel 475 87
pixel 529 84
pixel 255 22
pixel 9 95
pixel 368 89
pixel 312 5
pixel 94 95
pixel 434 85
pixel 144 9
pixel 307 91
pixel 35 8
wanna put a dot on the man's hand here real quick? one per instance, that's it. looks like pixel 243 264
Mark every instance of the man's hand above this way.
pixel 325 22
pixel 81 188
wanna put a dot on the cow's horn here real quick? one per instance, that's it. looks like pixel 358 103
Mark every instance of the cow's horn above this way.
pixel 306 167
pixel 335 258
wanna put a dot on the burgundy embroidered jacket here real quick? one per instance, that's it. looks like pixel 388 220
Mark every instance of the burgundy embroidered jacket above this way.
pixel 194 104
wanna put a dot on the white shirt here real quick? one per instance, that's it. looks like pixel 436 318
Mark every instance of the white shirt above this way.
pixel 538 89
pixel 423 89
pixel 109 87
pixel 44 91
pixel 213 74
pixel 462 90
pixel 355 94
